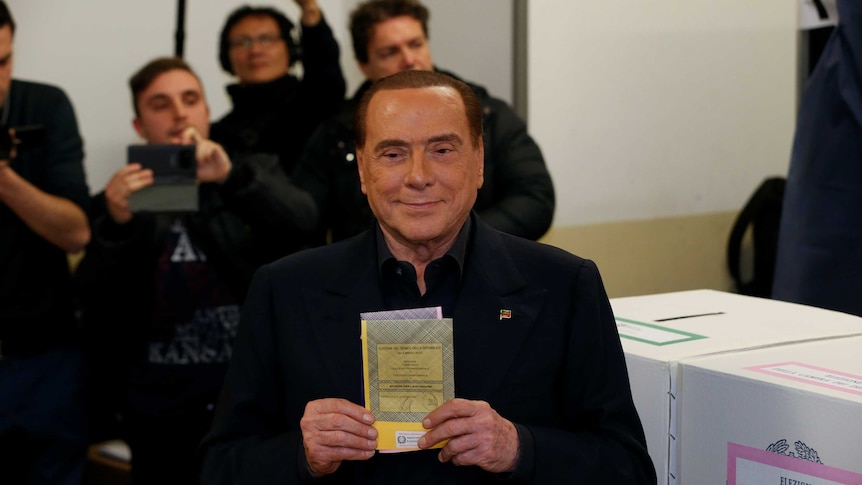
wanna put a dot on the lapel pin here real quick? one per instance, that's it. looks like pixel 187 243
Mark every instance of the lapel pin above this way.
pixel 505 314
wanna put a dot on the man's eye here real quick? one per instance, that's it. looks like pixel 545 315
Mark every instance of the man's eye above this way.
pixel 442 150
pixel 390 156
pixel 191 99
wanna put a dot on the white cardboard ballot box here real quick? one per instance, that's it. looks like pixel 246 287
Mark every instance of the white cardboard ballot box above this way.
pixel 657 331
pixel 781 415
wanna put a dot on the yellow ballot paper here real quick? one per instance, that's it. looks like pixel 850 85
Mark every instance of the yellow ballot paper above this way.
pixel 409 371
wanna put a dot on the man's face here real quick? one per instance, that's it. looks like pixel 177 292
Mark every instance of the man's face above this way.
pixel 419 167
pixel 257 53
pixel 5 61
pixel 397 44
pixel 172 102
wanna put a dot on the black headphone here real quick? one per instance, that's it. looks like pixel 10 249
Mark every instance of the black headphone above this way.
pixel 294 50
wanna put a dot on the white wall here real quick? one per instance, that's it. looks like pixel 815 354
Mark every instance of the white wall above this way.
pixel 473 39
pixel 91 48
pixel 660 108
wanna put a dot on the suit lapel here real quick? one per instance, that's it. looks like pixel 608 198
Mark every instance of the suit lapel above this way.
pixel 355 289
pixel 495 313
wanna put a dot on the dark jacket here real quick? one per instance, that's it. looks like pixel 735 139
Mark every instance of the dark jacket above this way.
pixel 278 117
pixel 35 284
pixel 554 367
pixel 517 196
pixel 255 217
pixel 819 258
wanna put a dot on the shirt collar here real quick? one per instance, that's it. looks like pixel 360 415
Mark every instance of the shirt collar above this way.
pixel 458 251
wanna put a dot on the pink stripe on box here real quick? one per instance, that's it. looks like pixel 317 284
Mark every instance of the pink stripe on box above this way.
pixel 736 452
pixel 850 388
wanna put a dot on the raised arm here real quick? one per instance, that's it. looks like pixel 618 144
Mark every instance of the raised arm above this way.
pixel 56 219
pixel 310 12
pixel 323 83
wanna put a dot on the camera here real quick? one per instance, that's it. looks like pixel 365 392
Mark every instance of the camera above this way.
pixel 30 136
pixel 169 163
pixel 174 178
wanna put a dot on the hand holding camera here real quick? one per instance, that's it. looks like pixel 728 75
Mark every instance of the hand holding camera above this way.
pixel 12 141
pixel 213 164
pixel 126 181
pixel 17 138
pixel 163 178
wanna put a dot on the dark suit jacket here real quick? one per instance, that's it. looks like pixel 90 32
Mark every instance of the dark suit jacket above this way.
pixel 819 261
pixel 555 368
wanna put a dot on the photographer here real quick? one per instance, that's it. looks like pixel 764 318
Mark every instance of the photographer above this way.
pixel 273 110
pixel 161 291
pixel 43 199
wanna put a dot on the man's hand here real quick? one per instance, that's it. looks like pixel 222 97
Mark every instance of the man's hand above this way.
pixel 124 183
pixel 334 430
pixel 310 15
pixel 213 163
pixel 56 219
pixel 13 152
pixel 477 436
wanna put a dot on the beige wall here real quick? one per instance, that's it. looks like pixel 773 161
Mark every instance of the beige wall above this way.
pixel 654 256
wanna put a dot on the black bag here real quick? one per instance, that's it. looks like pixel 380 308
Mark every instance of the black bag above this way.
pixel 763 214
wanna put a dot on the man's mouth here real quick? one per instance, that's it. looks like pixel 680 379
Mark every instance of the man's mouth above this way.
pixel 177 132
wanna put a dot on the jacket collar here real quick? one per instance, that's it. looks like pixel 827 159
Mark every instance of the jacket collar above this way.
pixel 253 96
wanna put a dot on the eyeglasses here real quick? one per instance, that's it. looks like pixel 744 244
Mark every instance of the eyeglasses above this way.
pixel 265 40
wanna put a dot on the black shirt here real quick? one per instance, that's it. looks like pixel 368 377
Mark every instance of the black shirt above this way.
pixel 442 276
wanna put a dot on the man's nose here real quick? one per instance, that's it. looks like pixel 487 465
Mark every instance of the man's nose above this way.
pixel 419 174
pixel 256 47
pixel 408 58
pixel 179 109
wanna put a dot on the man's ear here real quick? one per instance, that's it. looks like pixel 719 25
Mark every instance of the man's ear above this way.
pixel 139 128
pixel 481 155
pixel 360 165
pixel 364 68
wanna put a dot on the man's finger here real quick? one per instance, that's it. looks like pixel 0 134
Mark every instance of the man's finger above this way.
pixel 340 406
pixel 191 136
pixel 343 439
pixel 454 408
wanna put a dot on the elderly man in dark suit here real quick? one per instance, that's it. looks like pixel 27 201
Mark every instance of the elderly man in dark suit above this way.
pixel 542 392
